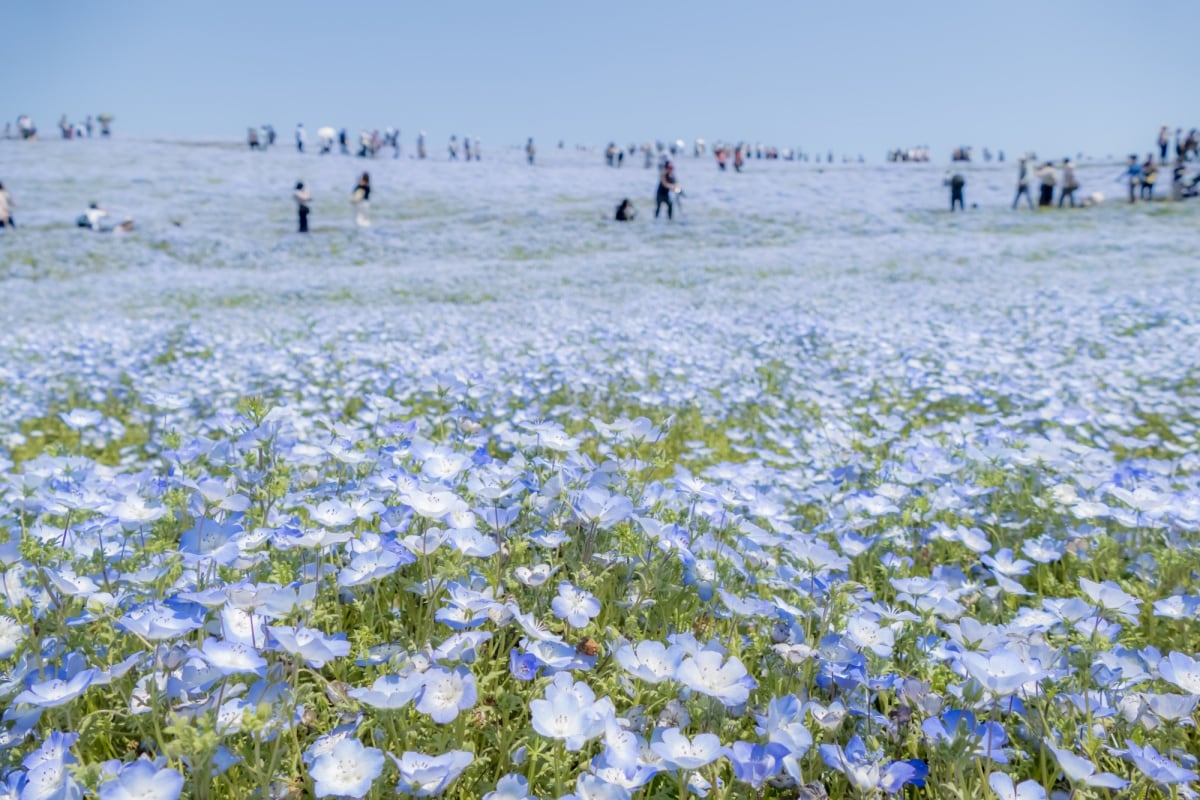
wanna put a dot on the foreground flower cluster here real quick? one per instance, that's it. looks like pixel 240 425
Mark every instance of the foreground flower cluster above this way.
pixel 743 548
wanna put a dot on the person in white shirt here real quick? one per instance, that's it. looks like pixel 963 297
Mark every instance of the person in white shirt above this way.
pixel 303 198
pixel 6 206
pixel 1070 184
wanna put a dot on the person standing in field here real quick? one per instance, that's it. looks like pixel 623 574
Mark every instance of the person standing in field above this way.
pixel 1048 177
pixel 667 187
pixel 361 200
pixel 421 145
pixel 1164 138
pixel 6 206
pixel 1023 184
pixel 303 198
pixel 1133 173
pixel 1070 184
pixel 956 182
pixel 300 136
pixel 1149 176
pixel 530 150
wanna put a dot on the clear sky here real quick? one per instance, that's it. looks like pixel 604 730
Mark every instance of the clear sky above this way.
pixel 1055 76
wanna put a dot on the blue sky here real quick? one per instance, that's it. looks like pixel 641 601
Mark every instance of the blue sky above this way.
pixel 1057 77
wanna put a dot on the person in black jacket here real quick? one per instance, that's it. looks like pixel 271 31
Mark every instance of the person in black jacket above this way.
pixel 667 187
pixel 956 182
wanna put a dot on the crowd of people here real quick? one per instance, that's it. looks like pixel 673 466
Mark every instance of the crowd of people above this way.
pixel 27 131
pixel 370 142
pixel 1140 176
pixel 1055 181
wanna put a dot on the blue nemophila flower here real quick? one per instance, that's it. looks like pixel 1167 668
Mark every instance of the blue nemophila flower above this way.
pixel 470 542
pixel 867 634
pixel 1156 766
pixel 48 775
pixel 327 741
pixel 784 725
pixel 143 780
pixel 523 666
pixel 310 644
pixel 347 770
pixel 432 503
pixel 866 771
pixel 574 605
pixel 1081 770
pixel 373 565
pixel 1004 563
pixel 1181 670
pixel 79 418
pixel 12 633
pixel 232 658
pixel 1177 606
pixel 679 752
pixel 621 761
pixel 1172 707
pixel 650 661
pixel 601 508
pixel 592 787
pixel 390 691
pixel 1004 788
pixel 1110 596
pixel 570 712
pixel 332 514
pixel 463 646
pixel 57 690
pixel 534 576
pixel 510 787
pixel 166 620
pixel 445 692
pixel 983 740
pixel 754 763
pixel 708 673
pixel 428 776
pixel 244 627
pixel 548 539
pixel 1002 672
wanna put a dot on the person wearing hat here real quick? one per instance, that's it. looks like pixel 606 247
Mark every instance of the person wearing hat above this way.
pixel 1070 184
pixel 303 198
pixel 666 188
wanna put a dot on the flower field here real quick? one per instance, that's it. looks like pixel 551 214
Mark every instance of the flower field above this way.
pixel 817 491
